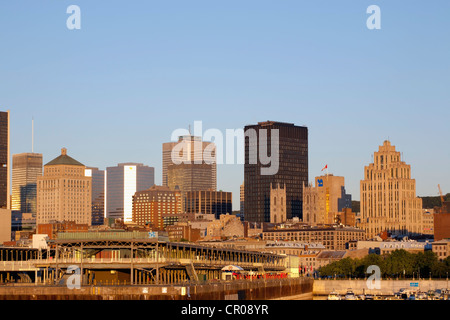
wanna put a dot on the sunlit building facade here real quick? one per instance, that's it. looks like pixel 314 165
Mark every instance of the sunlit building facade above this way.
pixel 122 182
pixel 26 168
pixel 388 196
pixel 64 192
pixel 154 207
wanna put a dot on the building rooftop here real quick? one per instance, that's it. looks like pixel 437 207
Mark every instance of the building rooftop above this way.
pixel 64 159
pixel 316 228
pixel 331 254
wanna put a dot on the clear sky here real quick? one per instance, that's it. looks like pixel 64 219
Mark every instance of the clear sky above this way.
pixel 116 89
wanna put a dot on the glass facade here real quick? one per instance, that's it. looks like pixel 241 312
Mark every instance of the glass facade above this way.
pixel 4 159
pixel 208 202
pixel 191 151
pixel 292 169
pixel 122 182
pixel 26 168
pixel 98 195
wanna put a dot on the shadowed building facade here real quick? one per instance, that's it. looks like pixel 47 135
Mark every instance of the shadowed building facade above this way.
pixel 4 160
pixel 98 195
pixel 188 154
pixel 208 202
pixel 5 202
pixel 292 156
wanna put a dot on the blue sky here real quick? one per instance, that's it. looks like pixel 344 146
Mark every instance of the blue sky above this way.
pixel 115 90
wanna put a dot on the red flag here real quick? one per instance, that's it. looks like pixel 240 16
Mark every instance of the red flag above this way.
pixel 326 167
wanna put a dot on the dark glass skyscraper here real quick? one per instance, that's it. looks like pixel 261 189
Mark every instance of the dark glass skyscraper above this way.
pixel 4 160
pixel 291 152
pixel 98 195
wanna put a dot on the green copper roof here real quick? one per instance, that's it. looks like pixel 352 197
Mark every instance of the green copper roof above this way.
pixel 64 159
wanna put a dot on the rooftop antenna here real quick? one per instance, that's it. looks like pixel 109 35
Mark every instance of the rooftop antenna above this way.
pixel 190 130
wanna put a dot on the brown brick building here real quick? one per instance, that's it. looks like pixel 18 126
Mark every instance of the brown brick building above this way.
pixel 52 229
pixel 155 206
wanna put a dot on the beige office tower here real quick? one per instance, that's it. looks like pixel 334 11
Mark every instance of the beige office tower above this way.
pixel 277 203
pixel 323 202
pixel 388 196
pixel 190 150
pixel 64 192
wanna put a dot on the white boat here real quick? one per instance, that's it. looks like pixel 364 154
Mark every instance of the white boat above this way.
pixel 334 296
pixel 350 295
pixel 421 296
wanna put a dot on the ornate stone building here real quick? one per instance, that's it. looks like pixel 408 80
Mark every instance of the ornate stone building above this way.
pixel 388 196
pixel 64 192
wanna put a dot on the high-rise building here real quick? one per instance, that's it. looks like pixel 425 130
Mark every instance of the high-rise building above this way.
pixel 155 206
pixel 195 154
pixel 190 177
pixel 208 202
pixel 26 168
pixel 323 202
pixel 388 196
pixel 122 182
pixel 5 201
pixel 64 192
pixel 4 160
pixel 98 195
pixel 289 155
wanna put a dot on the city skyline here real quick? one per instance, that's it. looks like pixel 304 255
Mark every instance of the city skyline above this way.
pixel 315 65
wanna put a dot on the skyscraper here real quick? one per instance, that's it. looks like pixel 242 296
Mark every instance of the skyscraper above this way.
pixel 189 151
pixel 5 202
pixel 4 160
pixel 122 182
pixel 388 195
pixel 291 154
pixel 26 168
pixel 242 200
pixel 64 192
pixel 98 195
